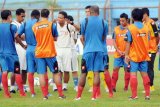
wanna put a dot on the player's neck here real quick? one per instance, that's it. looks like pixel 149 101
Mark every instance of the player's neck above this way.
pixel 18 21
pixel 5 21
pixel 43 19
pixel 147 19
pixel 61 24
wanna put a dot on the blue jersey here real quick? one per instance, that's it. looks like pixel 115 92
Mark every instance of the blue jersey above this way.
pixel 27 29
pixel 93 34
pixel 7 40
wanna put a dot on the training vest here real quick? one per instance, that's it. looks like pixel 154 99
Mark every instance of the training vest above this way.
pixel 120 40
pixel 45 47
pixel 139 45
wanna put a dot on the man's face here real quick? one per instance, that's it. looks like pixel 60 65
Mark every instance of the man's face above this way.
pixel 87 11
pixel 61 19
pixel 21 17
pixel 123 21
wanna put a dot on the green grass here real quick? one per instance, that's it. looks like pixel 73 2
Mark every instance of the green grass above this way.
pixel 120 97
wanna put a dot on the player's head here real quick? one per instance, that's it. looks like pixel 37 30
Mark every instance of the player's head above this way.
pixel 123 19
pixel 137 14
pixel 70 19
pixel 145 13
pixel 62 16
pixel 6 15
pixel 35 14
pixel 20 15
pixel 45 13
pixel 87 10
pixel 94 10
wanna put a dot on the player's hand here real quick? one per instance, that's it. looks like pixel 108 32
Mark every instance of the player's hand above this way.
pixel 120 52
pixel 54 20
pixel 127 59
pixel 25 47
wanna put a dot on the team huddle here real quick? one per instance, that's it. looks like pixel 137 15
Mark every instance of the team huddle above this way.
pixel 37 44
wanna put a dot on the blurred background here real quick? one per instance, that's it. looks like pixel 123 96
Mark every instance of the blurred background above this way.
pixel 110 10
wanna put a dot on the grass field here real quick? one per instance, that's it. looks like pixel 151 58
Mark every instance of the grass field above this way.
pixel 120 98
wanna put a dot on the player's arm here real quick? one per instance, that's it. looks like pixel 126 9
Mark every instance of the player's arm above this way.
pixel 128 38
pixel 54 32
pixel 18 35
pixel 82 38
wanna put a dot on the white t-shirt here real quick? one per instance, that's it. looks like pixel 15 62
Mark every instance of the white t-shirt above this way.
pixel 65 39
pixel 20 51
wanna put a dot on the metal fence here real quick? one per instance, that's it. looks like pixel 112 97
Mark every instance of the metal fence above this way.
pixel 79 14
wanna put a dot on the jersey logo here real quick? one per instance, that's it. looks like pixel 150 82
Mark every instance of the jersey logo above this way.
pixel 42 26
pixel 141 34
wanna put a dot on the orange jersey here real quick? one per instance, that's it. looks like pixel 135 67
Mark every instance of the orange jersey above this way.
pixel 45 47
pixel 139 45
pixel 119 40
pixel 152 42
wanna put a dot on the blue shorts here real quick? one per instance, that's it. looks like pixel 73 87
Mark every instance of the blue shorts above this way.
pixel 138 66
pixel 7 62
pixel 31 60
pixel 42 64
pixel 119 62
pixel 94 61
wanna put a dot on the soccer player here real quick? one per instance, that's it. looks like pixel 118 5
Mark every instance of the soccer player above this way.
pixel 26 28
pixel 120 46
pixel 20 15
pixel 90 73
pixel 8 55
pixel 153 44
pixel 66 52
pixel 46 33
pixel 92 59
pixel 137 53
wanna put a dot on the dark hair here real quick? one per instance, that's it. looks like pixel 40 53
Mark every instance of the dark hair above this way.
pixel 145 11
pixel 124 15
pixel 45 13
pixel 5 14
pixel 19 11
pixel 70 18
pixel 137 14
pixel 35 13
pixel 94 9
pixel 88 7
pixel 63 13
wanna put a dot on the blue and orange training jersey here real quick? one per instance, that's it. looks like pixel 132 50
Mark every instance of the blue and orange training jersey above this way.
pixel 119 36
pixel 138 36
pixel 153 41
pixel 45 32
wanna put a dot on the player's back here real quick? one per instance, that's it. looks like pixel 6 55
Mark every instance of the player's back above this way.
pixel 29 34
pixel 45 41
pixel 7 45
pixel 139 46
pixel 93 34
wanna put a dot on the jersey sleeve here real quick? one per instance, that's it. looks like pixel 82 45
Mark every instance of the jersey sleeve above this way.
pixel 105 32
pixel 13 29
pixel 73 32
pixel 83 27
pixel 21 30
pixel 54 30
pixel 128 37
